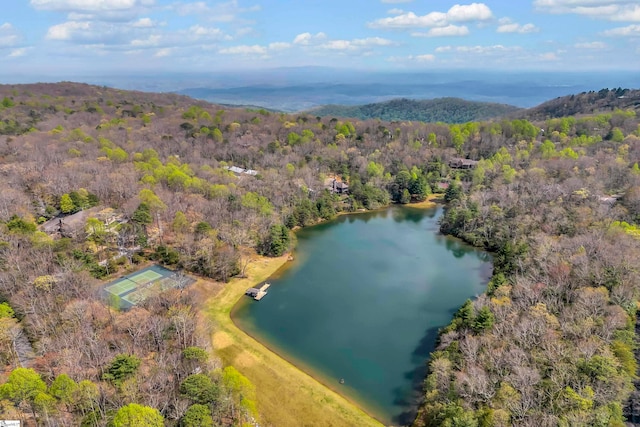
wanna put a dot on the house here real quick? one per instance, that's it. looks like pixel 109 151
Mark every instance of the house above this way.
pixel 460 163
pixel 234 169
pixel 73 225
pixel 340 187
pixel 238 170
pixel 259 292
pixel 335 186
pixel 441 186
pixel 108 216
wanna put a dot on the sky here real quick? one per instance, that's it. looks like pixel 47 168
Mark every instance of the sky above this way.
pixel 71 37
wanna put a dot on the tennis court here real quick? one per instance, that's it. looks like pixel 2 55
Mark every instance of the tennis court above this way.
pixel 133 288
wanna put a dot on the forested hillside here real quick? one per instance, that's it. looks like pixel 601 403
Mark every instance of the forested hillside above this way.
pixel 550 344
pixel 593 102
pixel 446 110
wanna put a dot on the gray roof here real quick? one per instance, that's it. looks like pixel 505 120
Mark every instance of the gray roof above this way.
pixel 236 169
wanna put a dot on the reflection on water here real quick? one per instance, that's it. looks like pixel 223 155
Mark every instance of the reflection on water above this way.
pixel 364 301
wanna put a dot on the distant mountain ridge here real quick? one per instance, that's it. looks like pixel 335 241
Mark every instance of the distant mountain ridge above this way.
pixel 300 97
pixel 448 110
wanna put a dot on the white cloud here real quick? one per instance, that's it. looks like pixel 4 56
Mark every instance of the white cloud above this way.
pixel 163 52
pixel 9 36
pixel 548 56
pixel 470 12
pixel 139 34
pixel 200 32
pixel 67 30
pixel 479 50
pixel 412 58
pixel 306 39
pixel 507 26
pixel 98 10
pixel 372 41
pixel 411 20
pixel 152 40
pixel 244 50
pixel 75 16
pixel 630 30
pixel 448 31
pixel 253 50
pixel 613 10
pixel 338 45
pixel 356 44
pixel 219 12
pixel 395 11
pixel 279 46
pixel 89 5
pixel 422 58
pixel 21 51
pixel 590 45
pixel 457 13
pixel 144 23
pixel 195 8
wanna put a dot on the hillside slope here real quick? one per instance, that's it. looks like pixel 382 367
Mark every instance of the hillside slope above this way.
pixel 604 100
pixel 446 110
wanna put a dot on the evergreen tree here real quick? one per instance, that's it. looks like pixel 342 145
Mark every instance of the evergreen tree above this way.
pixel 454 192
pixel 484 320
pixel 199 388
pixel 122 367
pixel 142 215
pixel 419 188
pixel 197 416
pixel 277 242
pixel 405 197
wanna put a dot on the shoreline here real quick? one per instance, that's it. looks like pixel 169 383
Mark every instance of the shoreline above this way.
pixel 240 348
pixel 315 373
pixel 310 371
pixel 432 201
pixel 287 395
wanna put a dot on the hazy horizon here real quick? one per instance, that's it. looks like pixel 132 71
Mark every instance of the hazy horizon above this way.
pixel 88 37
pixel 300 88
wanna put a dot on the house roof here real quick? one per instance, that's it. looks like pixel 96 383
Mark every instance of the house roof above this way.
pixel 236 169
pixel 462 162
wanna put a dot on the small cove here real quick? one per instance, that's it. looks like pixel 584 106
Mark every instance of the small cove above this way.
pixel 364 300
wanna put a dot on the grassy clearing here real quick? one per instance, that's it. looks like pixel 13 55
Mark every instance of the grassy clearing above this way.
pixel 286 395
pixel 431 202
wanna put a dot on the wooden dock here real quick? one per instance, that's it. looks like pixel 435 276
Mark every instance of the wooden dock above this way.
pixel 259 292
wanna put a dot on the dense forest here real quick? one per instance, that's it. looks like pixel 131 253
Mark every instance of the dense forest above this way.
pixel 446 110
pixel 196 185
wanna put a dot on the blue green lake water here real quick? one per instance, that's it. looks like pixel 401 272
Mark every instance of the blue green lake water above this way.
pixel 363 301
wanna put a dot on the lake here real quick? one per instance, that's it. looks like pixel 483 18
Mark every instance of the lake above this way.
pixel 363 301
